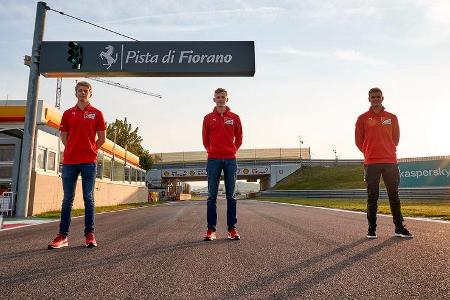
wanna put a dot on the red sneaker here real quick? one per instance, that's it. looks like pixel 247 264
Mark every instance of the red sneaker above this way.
pixel 59 242
pixel 233 234
pixel 210 235
pixel 90 240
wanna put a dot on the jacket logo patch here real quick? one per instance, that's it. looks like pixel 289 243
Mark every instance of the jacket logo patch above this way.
pixel 89 115
pixel 229 122
pixel 387 122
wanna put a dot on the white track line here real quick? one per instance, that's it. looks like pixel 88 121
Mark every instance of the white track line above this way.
pixel 57 220
pixel 355 212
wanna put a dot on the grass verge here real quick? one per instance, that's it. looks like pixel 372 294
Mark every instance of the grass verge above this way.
pixel 195 198
pixel 56 214
pixel 410 208
pixel 324 177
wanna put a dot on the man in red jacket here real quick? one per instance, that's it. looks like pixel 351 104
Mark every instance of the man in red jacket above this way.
pixel 80 125
pixel 377 135
pixel 222 137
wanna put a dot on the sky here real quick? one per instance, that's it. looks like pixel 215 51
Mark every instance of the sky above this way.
pixel 315 62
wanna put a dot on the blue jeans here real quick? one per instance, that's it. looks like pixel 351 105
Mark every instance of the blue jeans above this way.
pixel 214 168
pixel 70 174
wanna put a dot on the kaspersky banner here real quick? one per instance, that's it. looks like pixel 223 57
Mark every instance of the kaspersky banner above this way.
pixel 432 173
pixel 140 59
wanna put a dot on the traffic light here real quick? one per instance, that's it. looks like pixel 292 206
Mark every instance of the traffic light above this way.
pixel 75 55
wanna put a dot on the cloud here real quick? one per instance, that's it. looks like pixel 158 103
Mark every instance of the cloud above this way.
pixel 197 20
pixel 300 52
pixel 355 56
pixel 173 28
pixel 435 27
pixel 337 54
pixel 258 12
pixel 342 10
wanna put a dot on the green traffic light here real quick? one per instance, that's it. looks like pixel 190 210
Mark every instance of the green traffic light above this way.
pixel 75 53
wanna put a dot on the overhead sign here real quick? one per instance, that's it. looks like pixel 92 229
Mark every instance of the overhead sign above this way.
pixel 431 173
pixel 184 172
pixel 260 170
pixel 155 59
pixel 246 171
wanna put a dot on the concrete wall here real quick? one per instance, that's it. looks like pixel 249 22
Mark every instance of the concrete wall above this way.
pixel 279 172
pixel 47 193
pixel 264 183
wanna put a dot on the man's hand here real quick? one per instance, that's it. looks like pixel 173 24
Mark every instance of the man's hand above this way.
pixel 101 138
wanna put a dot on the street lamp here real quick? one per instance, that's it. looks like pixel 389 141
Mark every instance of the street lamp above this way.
pixel 335 155
pixel 301 142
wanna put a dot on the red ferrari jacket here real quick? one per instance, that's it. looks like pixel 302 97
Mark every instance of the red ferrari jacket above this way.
pixel 377 136
pixel 222 135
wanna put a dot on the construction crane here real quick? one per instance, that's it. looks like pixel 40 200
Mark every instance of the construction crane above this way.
pixel 27 62
pixel 58 92
pixel 126 87
pixel 116 84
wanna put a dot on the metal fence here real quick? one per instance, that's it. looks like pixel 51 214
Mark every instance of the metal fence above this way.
pixel 425 158
pixel 7 203
pixel 242 154
pixel 406 193
pixel 275 154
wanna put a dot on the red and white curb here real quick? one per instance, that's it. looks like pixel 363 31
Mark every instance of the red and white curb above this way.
pixel 14 224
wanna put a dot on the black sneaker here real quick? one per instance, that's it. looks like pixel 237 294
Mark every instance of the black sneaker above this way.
pixel 371 233
pixel 401 231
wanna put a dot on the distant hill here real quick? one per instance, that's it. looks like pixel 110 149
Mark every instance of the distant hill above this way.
pixel 324 178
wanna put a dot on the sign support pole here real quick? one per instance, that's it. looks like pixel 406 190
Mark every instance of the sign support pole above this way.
pixel 29 132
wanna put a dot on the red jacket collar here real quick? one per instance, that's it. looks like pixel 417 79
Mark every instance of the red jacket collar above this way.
pixel 86 108
pixel 374 113
pixel 227 110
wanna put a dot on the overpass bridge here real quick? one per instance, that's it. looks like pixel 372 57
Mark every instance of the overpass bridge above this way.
pixel 266 165
pixel 269 166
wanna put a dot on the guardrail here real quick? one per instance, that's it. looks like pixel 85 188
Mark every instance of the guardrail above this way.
pixel 242 154
pixel 243 163
pixel 285 160
pixel 406 193
pixel 332 162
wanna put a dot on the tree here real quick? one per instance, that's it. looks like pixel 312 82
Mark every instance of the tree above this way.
pixel 145 160
pixel 123 134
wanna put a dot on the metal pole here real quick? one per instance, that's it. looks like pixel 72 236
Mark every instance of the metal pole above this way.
pixel 58 106
pixel 114 152
pixel 335 155
pixel 125 165
pixel 30 117
pixel 58 93
pixel 300 154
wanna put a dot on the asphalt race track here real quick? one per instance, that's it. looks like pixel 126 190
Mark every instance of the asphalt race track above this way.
pixel 286 252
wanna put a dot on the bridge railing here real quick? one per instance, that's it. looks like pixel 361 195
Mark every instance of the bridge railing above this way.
pixel 242 154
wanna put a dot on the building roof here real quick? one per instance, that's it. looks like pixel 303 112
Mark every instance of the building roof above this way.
pixel 13 112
